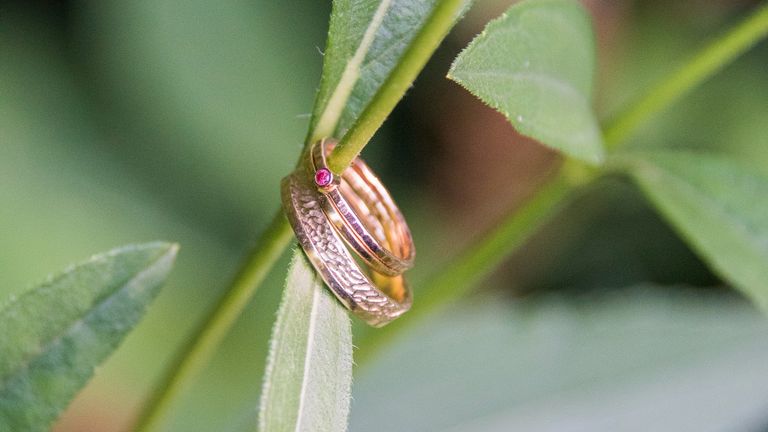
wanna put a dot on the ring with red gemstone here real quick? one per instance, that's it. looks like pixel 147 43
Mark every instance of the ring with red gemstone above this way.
pixel 323 177
pixel 375 298
pixel 363 212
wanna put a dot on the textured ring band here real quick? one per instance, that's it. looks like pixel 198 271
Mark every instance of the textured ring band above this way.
pixel 377 299
pixel 363 211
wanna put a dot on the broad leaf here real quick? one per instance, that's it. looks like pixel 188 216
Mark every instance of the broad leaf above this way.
pixel 535 64
pixel 720 206
pixel 661 359
pixel 366 39
pixel 53 336
pixel 309 373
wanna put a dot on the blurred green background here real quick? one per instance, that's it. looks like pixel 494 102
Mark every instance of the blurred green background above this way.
pixel 129 121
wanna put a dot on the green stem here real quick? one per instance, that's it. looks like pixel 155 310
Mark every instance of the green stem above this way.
pixel 698 69
pixel 193 357
pixel 196 354
pixel 472 265
pixel 461 274
pixel 400 79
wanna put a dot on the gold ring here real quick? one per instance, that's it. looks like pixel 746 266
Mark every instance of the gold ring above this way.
pixel 376 298
pixel 363 211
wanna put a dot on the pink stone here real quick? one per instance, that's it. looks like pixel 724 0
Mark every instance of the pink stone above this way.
pixel 323 177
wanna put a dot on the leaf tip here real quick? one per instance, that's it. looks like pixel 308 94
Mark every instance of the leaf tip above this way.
pixel 165 250
pixel 173 249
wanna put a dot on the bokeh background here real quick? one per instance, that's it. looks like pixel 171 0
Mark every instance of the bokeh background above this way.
pixel 130 121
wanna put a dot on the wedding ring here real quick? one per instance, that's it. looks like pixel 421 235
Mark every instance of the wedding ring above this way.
pixel 363 212
pixel 376 298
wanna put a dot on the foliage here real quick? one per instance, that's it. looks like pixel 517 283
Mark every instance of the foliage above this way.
pixel 309 374
pixel 714 203
pixel 603 362
pixel 56 334
pixel 535 64
pixel 366 40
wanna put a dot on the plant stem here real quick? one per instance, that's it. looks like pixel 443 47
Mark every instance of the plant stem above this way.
pixel 698 69
pixel 329 119
pixel 462 273
pixel 400 79
pixel 197 352
pixel 472 265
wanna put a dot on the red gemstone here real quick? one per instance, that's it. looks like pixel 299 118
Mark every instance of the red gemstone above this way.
pixel 323 177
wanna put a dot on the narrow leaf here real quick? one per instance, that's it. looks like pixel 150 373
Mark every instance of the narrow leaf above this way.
pixel 53 336
pixel 309 373
pixel 366 39
pixel 535 64
pixel 720 206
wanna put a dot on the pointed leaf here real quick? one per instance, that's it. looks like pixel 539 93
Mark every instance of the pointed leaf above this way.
pixel 720 206
pixel 366 40
pixel 309 374
pixel 56 334
pixel 535 64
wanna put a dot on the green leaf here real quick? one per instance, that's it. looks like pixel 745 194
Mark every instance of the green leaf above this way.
pixel 638 359
pixel 366 39
pixel 535 64
pixel 309 372
pixel 56 334
pixel 719 206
